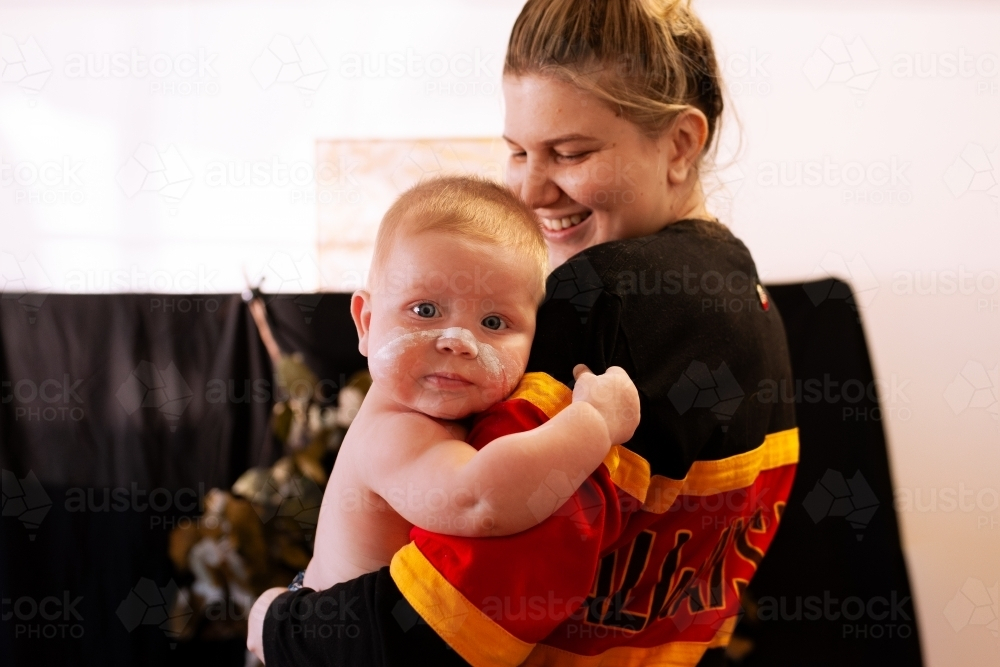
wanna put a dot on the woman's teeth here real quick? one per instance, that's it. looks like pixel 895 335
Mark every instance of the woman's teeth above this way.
pixel 555 224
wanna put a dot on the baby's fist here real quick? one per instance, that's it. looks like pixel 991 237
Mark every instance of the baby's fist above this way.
pixel 613 395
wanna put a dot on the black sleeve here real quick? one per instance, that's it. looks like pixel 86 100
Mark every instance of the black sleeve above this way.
pixel 364 622
pixel 578 322
pixel 683 312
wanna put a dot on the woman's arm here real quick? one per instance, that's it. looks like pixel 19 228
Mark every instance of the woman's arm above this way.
pixel 255 623
pixel 365 621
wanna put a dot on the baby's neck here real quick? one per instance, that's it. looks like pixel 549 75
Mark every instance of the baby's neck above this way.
pixel 381 404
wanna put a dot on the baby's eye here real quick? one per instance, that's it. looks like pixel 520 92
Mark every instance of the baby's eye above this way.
pixel 425 309
pixel 494 322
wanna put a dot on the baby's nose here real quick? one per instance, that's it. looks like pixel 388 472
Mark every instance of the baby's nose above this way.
pixel 457 340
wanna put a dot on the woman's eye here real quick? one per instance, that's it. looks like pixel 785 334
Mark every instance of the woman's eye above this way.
pixel 494 322
pixel 571 156
pixel 425 310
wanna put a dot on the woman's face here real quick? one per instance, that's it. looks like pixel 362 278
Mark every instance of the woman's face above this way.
pixel 592 176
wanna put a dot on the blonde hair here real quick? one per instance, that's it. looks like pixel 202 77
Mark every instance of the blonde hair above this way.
pixel 469 208
pixel 648 59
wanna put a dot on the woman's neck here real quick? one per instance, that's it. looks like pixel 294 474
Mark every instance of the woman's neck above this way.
pixel 691 207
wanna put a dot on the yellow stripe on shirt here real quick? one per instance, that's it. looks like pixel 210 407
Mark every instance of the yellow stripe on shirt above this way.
pixel 544 392
pixel 707 478
pixel 476 637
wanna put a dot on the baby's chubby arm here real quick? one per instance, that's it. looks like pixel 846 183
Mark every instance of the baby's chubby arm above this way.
pixel 446 486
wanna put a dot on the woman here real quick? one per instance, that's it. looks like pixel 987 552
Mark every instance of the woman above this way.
pixel 610 108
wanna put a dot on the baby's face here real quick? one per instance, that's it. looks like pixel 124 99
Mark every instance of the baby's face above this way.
pixel 451 324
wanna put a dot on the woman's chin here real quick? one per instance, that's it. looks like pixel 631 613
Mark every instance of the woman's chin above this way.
pixel 560 253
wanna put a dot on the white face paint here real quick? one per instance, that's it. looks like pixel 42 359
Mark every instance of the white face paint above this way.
pixel 402 340
pixel 399 363
pixel 489 359
pixel 465 336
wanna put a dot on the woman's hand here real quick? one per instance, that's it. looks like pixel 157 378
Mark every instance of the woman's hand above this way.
pixel 255 624
pixel 615 397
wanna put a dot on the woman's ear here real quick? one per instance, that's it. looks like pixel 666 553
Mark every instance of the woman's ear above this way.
pixel 684 141
pixel 361 311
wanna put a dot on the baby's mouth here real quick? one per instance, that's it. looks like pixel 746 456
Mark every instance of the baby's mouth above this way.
pixel 443 380
pixel 559 224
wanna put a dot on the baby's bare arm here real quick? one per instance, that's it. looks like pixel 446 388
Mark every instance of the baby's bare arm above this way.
pixel 446 486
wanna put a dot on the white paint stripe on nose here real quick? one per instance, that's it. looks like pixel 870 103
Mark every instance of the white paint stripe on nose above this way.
pixel 464 335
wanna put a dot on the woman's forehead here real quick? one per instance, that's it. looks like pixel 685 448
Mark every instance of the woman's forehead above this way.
pixel 545 106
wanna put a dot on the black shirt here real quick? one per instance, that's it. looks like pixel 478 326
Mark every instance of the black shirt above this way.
pixel 682 312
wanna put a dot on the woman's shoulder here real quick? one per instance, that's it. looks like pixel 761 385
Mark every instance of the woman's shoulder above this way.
pixel 695 245
pixel 691 277
pixel 693 285
pixel 685 302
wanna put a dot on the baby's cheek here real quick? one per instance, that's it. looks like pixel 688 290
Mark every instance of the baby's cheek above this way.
pixel 504 370
pixel 393 363
pixel 383 370
pixel 396 377
pixel 513 369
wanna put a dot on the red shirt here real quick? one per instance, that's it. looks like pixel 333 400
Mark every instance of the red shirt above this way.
pixel 671 556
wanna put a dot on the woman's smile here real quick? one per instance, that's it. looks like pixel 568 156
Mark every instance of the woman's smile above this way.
pixel 552 226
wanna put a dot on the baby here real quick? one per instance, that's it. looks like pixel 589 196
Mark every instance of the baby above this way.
pixel 447 323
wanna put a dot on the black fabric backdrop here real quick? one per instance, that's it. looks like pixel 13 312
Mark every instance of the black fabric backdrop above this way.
pixel 151 400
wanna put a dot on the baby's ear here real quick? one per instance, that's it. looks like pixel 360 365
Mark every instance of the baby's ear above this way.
pixel 361 311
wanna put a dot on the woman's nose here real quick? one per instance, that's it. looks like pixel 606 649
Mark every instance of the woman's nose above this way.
pixel 537 189
pixel 457 340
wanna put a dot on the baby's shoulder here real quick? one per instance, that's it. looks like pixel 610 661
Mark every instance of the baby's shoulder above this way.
pixel 394 430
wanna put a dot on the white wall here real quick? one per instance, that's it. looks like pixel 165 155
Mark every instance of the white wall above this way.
pixel 822 87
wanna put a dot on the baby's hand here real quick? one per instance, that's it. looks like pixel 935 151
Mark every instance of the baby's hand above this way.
pixel 614 396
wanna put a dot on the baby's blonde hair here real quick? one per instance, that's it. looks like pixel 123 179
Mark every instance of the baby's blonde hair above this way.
pixel 469 208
